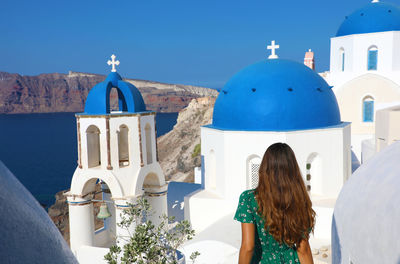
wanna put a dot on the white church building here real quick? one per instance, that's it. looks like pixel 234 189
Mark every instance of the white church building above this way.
pixel 365 67
pixel 270 101
pixel 275 100
pixel 116 150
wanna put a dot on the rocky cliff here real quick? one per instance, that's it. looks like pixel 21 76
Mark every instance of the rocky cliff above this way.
pixel 57 92
pixel 178 152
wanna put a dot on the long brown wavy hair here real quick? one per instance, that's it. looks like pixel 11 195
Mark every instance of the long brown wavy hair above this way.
pixel 282 197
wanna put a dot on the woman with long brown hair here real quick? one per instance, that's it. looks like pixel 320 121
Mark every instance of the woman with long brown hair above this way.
pixel 277 216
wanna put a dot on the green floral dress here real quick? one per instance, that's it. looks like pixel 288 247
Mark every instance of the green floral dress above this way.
pixel 267 249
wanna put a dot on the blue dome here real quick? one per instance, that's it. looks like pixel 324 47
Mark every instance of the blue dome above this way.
pixel 129 98
pixel 276 95
pixel 374 17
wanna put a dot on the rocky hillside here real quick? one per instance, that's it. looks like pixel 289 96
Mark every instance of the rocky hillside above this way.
pixel 179 150
pixel 56 92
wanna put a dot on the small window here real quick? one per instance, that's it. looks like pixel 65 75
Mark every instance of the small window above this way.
pixel 255 167
pixel 373 59
pixel 368 109
pixel 342 58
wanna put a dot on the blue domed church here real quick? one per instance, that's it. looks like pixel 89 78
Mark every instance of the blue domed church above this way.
pixel 271 101
pixel 365 70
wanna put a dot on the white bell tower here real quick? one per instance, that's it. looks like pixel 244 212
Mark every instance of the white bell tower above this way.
pixel 117 150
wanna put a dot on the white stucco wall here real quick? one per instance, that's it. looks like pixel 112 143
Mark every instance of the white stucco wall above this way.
pixel 356 56
pixel 356 83
pixel 387 129
pixel 365 227
pixel 232 150
pixel 28 235
pixel 141 175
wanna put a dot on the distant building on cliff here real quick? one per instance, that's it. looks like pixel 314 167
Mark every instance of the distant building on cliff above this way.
pixel 117 157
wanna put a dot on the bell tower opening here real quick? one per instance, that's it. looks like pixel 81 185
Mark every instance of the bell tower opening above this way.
pixel 103 213
pixel 114 100
pixel 149 145
pixel 93 146
pixel 123 146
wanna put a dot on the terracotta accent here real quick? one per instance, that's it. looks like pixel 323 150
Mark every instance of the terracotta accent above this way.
pixel 78 129
pixel 309 59
pixel 109 167
pixel 140 143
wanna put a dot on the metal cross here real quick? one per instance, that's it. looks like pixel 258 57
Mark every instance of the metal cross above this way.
pixel 113 62
pixel 273 48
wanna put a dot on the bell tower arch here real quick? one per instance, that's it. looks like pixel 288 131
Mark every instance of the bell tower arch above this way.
pixel 117 164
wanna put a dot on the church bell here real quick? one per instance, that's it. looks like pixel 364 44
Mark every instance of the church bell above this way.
pixel 103 212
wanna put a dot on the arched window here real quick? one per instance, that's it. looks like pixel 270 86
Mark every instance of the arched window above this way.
pixel 342 58
pixel 211 170
pixel 373 58
pixel 149 146
pixel 93 146
pixel 368 109
pixel 123 146
pixel 253 166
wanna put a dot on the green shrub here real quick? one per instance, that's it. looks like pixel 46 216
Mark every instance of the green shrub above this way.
pixel 148 243
pixel 196 151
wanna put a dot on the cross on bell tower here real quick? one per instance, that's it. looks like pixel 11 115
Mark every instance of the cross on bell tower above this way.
pixel 113 62
pixel 273 48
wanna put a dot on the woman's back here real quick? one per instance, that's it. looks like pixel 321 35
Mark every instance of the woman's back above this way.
pixel 267 249
pixel 277 216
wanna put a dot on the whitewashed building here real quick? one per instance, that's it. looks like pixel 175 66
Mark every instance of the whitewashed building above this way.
pixel 117 150
pixel 271 101
pixel 365 67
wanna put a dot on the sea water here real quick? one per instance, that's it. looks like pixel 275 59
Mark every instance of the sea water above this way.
pixel 41 149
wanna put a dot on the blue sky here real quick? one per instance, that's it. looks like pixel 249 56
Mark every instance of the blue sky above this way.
pixel 191 42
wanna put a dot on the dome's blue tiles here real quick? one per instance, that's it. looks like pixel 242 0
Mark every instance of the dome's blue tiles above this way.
pixel 374 17
pixel 129 97
pixel 276 95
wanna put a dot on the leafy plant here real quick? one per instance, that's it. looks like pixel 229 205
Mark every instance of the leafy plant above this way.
pixel 196 151
pixel 150 243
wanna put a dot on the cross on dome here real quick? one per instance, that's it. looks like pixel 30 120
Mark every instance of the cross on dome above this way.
pixel 273 48
pixel 113 62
